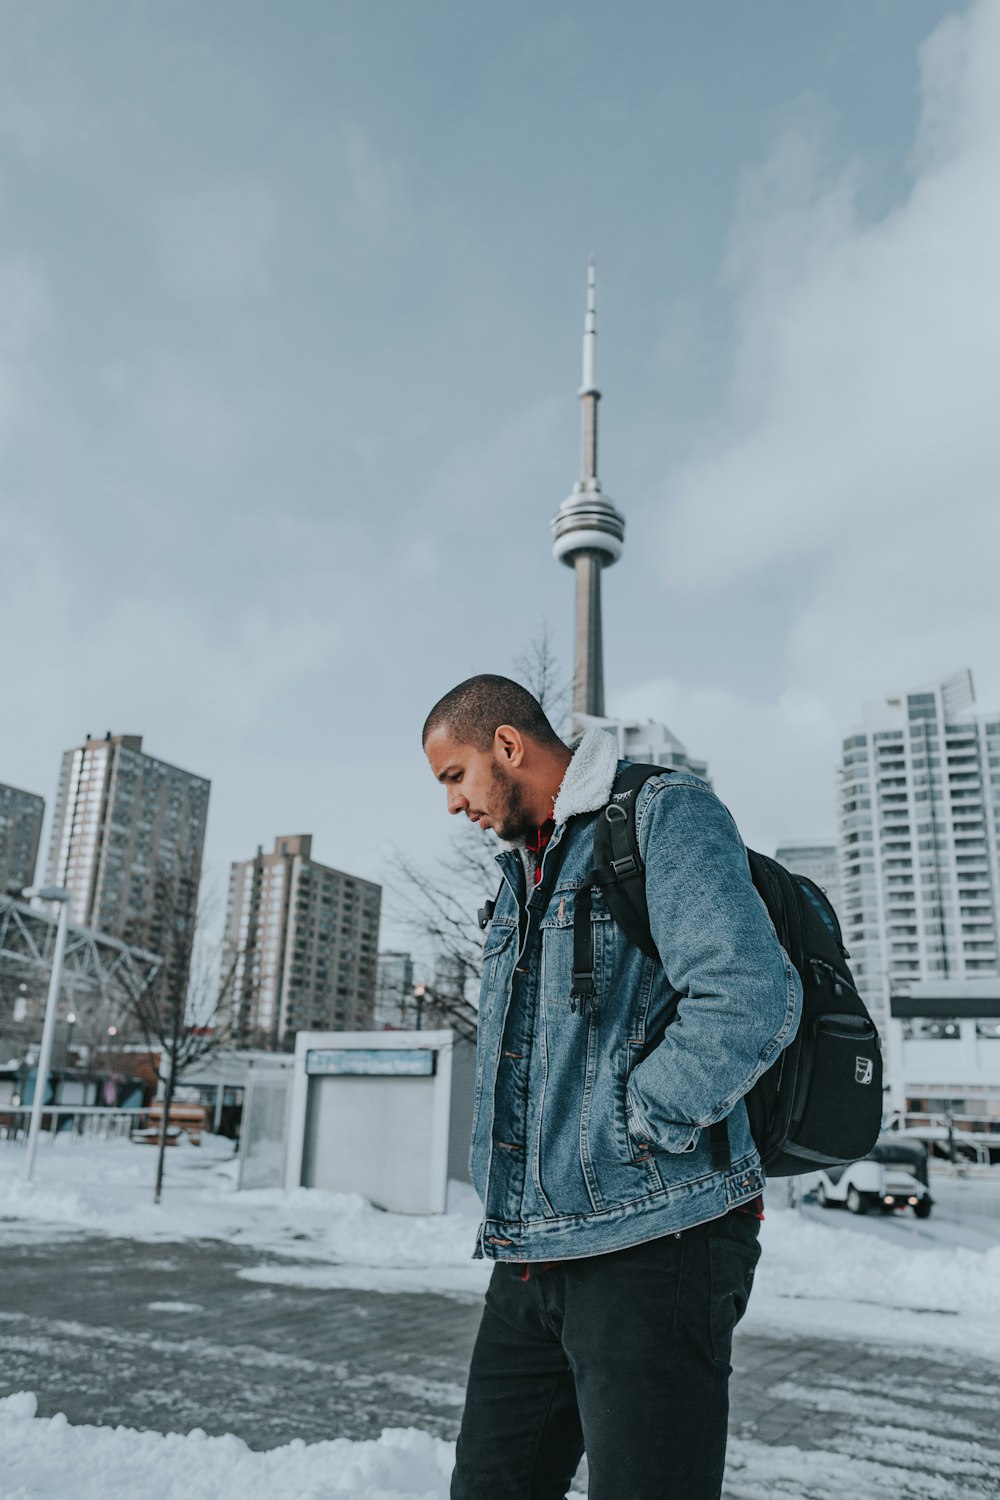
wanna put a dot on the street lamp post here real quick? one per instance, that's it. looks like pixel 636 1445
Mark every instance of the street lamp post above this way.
pixel 67 1049
pixel 112 1033
pixel 47 893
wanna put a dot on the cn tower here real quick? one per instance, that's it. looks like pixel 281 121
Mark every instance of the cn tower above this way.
pixel 588 532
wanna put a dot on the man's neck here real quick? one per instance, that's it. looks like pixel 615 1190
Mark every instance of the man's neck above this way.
pixel 551 776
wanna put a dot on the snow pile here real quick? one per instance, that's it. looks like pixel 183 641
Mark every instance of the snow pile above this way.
pixel 831 1281
pixel 806 1259
pixel 107 1188
pixel 47 1459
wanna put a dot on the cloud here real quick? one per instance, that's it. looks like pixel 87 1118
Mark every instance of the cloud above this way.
pixel 26 316
pixel 155 666
pixel 25 310
pixel 861 444
pixel 771 763
pixel 137 664
pixel 216 244
pixel 859 454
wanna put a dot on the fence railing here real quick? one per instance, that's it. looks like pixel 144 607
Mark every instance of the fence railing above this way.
pixel 74 1121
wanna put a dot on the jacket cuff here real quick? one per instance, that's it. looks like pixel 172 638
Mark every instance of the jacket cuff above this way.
pixel 672 1138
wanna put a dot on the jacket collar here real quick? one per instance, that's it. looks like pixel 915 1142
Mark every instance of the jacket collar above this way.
pixel 589 777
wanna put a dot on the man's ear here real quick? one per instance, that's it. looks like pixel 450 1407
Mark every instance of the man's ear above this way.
pixel 508 746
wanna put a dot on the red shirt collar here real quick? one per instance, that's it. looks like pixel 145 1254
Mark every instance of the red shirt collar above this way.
pixel 542 837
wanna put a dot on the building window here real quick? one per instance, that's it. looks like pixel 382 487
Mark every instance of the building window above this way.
pixel 931 1029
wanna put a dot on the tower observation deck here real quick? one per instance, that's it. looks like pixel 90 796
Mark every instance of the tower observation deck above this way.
pixel 588 532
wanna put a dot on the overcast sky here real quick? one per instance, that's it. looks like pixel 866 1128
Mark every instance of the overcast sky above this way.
pixel 290 309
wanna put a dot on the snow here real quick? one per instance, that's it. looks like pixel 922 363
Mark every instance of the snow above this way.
pixel 933 1286
pixel 47 1459
pixel 757 1471
pixel 106 1187
pixel 894 1280
pixel 838 1277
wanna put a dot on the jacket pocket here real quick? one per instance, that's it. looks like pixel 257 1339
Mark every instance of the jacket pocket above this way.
pixel 558 950
pixel 498 938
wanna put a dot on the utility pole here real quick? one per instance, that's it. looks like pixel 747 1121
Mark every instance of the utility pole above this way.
pixel 62 896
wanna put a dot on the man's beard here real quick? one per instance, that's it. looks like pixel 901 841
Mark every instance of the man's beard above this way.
pixel 510 818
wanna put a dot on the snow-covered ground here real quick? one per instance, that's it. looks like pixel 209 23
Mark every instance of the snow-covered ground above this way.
pixel 933 1287
pixel 339 1239
pixel 927 1283
pixel 47 1459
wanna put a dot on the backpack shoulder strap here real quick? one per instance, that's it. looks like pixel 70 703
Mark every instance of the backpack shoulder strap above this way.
pixel 621 875
pixel 618 867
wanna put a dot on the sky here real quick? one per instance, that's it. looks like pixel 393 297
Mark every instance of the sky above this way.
pixel 290 311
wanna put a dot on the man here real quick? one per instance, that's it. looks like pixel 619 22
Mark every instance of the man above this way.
pixel 625 1251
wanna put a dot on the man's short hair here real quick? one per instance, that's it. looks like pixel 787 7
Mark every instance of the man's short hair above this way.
pixel 473 711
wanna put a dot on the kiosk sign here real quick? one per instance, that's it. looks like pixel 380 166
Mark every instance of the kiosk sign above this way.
pixel 371 1062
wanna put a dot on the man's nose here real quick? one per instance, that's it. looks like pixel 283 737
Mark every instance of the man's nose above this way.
pixel 456 802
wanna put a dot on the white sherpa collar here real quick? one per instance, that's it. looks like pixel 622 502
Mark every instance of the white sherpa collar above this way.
pixel 589 776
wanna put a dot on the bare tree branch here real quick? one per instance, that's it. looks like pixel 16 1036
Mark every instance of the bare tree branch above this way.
pixel 539 668
pixel 187 1014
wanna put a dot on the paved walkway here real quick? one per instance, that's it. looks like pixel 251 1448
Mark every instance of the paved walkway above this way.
pixel 169 1337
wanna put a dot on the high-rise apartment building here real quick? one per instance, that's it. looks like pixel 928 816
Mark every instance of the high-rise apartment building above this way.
pixel 21 816
pixel 127 842
pixel 820 862
pixel 300 946
pixel 394 989
pixel 920 841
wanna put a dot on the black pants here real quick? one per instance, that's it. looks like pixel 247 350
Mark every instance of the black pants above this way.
pixel 624 1355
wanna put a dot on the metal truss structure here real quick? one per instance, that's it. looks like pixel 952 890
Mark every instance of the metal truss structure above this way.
pixel 93 962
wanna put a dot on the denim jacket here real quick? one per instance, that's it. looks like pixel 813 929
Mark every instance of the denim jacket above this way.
pixel 589 1127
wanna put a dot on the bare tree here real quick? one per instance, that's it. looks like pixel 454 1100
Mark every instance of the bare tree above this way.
pixel 539 668
pixel 439 908
pixel 187 1015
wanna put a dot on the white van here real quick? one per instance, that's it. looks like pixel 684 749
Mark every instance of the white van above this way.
pixel 892 1177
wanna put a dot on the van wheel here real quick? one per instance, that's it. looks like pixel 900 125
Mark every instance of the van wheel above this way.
pixel 922 1209
pixel 855 1202
pixel 821 1197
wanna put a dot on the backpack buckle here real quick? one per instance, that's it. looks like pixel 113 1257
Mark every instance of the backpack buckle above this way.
pixel 623 868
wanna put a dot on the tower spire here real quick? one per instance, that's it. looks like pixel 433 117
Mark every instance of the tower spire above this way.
pixel 589 394
pixel 588 531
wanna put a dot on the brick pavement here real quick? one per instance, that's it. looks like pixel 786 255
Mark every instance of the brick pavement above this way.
pixel 272 1363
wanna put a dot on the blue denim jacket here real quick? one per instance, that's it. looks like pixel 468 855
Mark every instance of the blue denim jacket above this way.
pixel 589 1129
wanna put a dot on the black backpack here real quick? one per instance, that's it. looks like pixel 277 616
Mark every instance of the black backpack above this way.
pixel 820 1102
